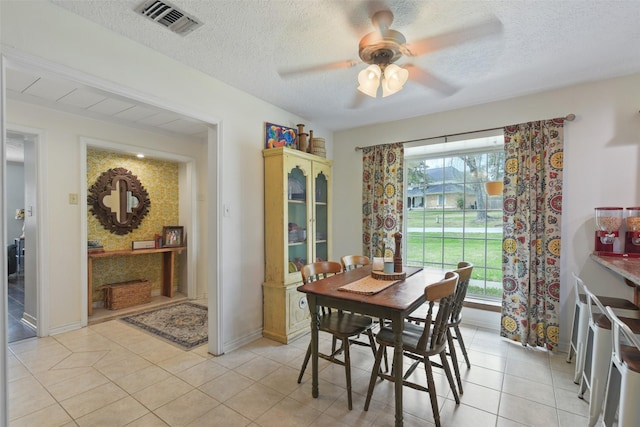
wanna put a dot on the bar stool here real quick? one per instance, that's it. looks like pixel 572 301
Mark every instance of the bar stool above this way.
pixel 598 353
pixel 623 385
pixel 581 322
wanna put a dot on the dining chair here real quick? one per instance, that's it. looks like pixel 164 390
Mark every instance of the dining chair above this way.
pixel 350 262
pixel 421 342
pixel 341 325
pixel 623 384
pixel 580 323
pixel 464 271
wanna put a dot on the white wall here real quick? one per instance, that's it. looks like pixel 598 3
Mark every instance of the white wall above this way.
pixel 43 30
pixel 600 166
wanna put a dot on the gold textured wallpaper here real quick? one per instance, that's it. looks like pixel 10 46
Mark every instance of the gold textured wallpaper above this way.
pixel 160 179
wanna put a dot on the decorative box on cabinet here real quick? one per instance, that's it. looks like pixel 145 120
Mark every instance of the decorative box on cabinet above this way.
pixel 297 231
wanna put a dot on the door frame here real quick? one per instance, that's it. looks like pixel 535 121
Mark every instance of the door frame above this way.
pixel 41 226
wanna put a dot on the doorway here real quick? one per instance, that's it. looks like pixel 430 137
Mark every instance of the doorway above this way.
pixel 22 235
pixel 205 218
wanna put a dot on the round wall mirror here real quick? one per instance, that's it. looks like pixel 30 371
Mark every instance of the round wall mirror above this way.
pixel 119 201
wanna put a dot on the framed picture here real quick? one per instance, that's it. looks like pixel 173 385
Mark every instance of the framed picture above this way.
pixel 280 136
pixel 173 236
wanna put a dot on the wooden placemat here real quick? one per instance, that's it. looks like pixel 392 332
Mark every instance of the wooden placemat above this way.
pixel 367 286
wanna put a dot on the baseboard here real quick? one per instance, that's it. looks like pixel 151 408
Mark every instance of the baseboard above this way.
pixel 65 328
pixel 481 319
pixel 491 320
pixel 242 341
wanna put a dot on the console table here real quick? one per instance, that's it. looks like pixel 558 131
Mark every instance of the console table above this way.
pixel 168 268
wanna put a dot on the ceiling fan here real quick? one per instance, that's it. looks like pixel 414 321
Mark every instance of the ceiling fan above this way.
pixel 383 47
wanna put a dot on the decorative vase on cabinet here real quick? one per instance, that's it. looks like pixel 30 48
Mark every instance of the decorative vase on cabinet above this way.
pixel 297 198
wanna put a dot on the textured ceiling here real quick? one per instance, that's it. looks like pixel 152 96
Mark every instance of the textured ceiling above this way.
pixel 56 92
pixel 59 93
pixel 248 44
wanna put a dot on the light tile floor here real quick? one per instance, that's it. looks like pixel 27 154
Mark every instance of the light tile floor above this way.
pixel 112 374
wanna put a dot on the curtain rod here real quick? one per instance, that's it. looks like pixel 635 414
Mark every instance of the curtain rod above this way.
pixel 569 117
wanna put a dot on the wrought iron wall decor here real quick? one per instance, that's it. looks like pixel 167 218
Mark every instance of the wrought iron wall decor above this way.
pixel 119 201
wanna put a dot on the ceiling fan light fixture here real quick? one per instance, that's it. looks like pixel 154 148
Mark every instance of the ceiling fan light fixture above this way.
pixel 369 80
pixel 394 79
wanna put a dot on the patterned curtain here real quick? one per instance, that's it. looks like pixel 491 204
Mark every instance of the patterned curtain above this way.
pixel 382 197
pixel 531 242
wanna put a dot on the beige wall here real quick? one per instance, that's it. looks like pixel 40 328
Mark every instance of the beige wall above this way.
pixel 601 165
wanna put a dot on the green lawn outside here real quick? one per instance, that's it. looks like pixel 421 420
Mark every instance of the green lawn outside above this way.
pixel 451 218
pixel 429 247
pixel 446 248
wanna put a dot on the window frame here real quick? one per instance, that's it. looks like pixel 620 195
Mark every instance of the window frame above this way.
pixel 468 146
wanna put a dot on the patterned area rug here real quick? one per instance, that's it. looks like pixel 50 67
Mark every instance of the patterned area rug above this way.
pixel 183 324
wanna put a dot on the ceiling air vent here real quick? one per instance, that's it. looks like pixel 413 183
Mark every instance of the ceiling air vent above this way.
pixel 168 16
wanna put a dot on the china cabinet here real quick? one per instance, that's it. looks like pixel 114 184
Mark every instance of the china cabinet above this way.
pixel 297 232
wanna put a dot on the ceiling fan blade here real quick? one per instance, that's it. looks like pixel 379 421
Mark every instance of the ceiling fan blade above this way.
pixel 489 27
pixel 295 72
pixel 429 80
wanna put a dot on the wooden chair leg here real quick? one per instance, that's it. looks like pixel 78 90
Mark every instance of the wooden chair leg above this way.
pixel 372 343
pixel 386 363
pixel 304 364
pixel 454 359
pixel 347 369
pixel 447 370
pixel 374 374
pixel 462 346
pixel 432 391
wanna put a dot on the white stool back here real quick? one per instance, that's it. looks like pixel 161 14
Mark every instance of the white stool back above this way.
pixel 597 355
pixel 580 326
pixel 623 383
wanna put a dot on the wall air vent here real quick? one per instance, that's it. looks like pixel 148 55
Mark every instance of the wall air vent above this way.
pixel 168 16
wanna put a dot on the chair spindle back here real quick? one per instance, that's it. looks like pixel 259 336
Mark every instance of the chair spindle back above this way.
pixel 435 330
pixel 349 262
pixel 319 270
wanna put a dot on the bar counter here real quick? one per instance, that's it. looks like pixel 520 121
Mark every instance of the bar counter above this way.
pixel 626 266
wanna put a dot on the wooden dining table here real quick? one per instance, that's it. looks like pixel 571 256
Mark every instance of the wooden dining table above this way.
pixel 393 303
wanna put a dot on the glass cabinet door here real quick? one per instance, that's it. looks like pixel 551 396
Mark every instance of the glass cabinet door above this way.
pixel 321 250
pixel 297 201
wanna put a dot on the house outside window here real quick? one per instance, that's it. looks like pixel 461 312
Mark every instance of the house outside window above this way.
pixel 448 215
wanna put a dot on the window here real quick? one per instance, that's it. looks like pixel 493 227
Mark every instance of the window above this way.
pixel 448 215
